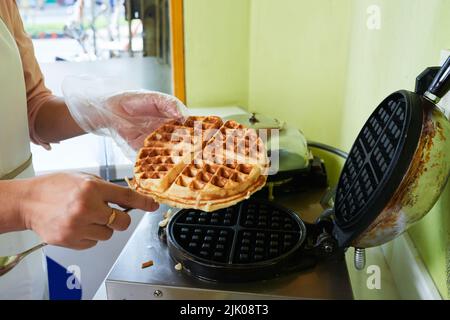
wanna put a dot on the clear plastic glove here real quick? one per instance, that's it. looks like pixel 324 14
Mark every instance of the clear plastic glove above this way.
pixel 128 117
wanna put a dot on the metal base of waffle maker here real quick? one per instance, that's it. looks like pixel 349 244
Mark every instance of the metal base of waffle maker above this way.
pixel 289 276
pixel 127 280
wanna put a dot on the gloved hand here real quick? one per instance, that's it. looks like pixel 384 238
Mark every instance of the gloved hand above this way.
pixel 126 116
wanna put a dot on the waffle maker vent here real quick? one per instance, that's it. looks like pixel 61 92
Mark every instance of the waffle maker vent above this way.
pixel 249 241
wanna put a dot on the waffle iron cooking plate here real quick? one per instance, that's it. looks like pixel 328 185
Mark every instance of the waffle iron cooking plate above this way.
pixel 376 165
pixel 252 240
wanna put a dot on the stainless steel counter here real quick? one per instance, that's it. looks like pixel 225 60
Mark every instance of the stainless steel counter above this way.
pixel 127 280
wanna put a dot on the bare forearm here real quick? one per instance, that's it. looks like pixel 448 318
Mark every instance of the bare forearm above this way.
pixel 54 122
pixel 11 195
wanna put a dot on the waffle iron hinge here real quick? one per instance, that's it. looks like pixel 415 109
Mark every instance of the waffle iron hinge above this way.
pixel 327 215
pixel 325 245
pixel 321 241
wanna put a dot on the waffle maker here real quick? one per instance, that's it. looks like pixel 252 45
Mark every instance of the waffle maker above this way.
pixel 384 188
pixel 295 165
pixel 289 151
pixel 253 240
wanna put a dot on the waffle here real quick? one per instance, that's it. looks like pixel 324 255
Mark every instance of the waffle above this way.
pixel 201 163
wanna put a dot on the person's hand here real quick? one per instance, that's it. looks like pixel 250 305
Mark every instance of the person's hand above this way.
pixel 71 210
pixel 135 114
pixel 99 107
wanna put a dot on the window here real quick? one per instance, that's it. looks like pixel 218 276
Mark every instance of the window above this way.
pixel 80 30
pixel 125 39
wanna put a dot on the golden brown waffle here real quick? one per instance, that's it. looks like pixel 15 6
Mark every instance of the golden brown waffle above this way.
pixel 202 163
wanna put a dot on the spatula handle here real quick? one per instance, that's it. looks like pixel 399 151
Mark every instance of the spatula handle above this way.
pixel 27 252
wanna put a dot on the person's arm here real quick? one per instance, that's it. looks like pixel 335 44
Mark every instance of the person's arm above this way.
pixel 49 118
pixel 53 122
pixel 10 218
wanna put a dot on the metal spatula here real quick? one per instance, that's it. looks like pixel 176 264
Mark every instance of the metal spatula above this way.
pixel 8 263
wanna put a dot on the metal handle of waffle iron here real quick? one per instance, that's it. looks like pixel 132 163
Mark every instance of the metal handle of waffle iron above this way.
pixel 359 258
pixel 441 83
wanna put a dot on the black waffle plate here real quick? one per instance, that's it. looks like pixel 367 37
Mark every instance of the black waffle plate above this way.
pixel 377 162
pixel 245 242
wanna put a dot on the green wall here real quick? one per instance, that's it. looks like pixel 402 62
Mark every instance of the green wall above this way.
pixel 318 65
pixel 298 62
pixel 216 50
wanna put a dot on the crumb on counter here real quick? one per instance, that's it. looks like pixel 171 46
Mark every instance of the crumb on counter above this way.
pixel 168 214
pixel 147 264
pixel 163 223
pixel 179 267
pixel 128 183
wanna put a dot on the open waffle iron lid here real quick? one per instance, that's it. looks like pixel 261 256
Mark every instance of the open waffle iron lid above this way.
pixel 376 164
pixel 398 165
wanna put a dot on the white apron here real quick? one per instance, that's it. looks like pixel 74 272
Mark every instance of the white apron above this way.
pixel 29 279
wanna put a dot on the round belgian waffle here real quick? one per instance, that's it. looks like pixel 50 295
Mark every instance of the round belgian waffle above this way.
pixel 202 163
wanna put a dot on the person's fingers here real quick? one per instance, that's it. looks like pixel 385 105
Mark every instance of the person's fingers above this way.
pixel 141 105
pixel 126 197
pixel 137 143
pixel 92 175
pixel 169 109
pixel 98 212
pixel 84 244
pixel 152 105
pixel 121 221
pixel 98 233
pixel 129 134
pixel 135 136
pixel 113 193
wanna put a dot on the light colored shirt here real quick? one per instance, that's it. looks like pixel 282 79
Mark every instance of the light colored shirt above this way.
pixel 37 93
